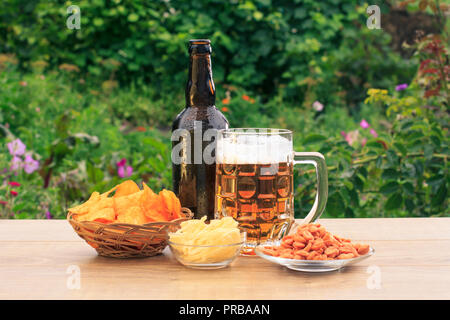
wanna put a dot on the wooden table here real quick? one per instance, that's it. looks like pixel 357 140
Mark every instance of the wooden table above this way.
pixel 412 261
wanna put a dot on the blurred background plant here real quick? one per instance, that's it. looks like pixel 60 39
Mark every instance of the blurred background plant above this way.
pixel 94 106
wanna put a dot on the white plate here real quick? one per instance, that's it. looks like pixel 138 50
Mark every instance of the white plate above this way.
pixel 309 265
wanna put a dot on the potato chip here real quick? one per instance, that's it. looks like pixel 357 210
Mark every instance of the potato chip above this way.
pixel 154 215
pixel 106 215
pixel 172 209
pixel 126 188
pixel 133 215
pixel 121 204
pixel 151 205
pixel 102 204
pixel 84 208
pixel 148 190
pixel 107 193
pixel 167 200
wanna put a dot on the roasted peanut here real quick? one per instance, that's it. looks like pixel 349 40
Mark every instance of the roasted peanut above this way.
pixel 298 245
pixel 363 249
pixel 345 256
pixel 307 235
pixel 299 238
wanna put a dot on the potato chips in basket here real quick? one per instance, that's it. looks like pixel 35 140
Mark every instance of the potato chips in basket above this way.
pixel 129 223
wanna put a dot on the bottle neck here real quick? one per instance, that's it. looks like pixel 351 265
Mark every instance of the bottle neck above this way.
pixel 200 90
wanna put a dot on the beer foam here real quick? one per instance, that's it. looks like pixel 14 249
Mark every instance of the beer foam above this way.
pixel 254 149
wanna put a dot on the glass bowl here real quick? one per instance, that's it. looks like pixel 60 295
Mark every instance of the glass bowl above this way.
pixel 309 265
pixel 206 256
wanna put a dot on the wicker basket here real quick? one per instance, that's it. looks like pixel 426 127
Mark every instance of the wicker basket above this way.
pixel 121 240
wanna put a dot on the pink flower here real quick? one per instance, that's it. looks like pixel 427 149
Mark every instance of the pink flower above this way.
pixel 123 170
pixel 16 163
pixel 317 106
pixel 48 215
pixel 14 184
pixel 122 162
pixel 23 83
pixel 401 87
pixel 129 171
pixel 364 124
pixel 352 137
pixel 14 193
pixel 373 133
pixel 30 165
pixel 16 147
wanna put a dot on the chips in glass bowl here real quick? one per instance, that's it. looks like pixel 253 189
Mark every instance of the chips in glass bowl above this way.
pixel 207 246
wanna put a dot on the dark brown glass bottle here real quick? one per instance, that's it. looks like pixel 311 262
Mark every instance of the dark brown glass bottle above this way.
pixel 193 174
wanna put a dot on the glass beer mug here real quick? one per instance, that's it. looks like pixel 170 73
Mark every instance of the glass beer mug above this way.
pixel 255 184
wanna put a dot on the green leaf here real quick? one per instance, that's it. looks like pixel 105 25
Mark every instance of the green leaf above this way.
pixel 314 138
pixel 428 151
pixel 19 206
pixel 401 147
pixel 98 22
pixel 408 188
pixel 258 15
pixel 390 174
pixel 435 180
pixel 392 157
pixel 379 162
pixel 374 144
pixel 354 197
pixel 335 205
pixel 409 204
pixel 409 170
pixel 436 140
pixel 363 172
pixel 440 196
pixel 133 17
pixel 389 187
pixel 407 124
pixel 349 213
pixel 419 168
pixel 358 183
pixel 395 201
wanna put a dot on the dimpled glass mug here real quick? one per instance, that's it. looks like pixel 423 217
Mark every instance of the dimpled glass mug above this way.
pixel 255 184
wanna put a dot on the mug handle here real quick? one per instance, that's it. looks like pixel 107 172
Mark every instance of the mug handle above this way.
pixel 318 160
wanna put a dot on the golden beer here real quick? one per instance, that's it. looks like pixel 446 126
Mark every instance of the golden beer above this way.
pixel 254 182
pixel 258 196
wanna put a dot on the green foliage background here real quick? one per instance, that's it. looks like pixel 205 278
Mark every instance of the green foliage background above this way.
pixel 111 89
pixel 263 46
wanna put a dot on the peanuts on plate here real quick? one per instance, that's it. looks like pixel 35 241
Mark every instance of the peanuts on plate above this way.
pixel 313 242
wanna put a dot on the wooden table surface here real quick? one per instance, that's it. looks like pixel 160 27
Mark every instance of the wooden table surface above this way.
pixel 412 261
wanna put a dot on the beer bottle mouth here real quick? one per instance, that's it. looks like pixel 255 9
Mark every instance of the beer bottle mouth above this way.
pixel 199 46
pixel 199 41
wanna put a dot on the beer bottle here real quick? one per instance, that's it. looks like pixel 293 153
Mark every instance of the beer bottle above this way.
pixel 193 133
